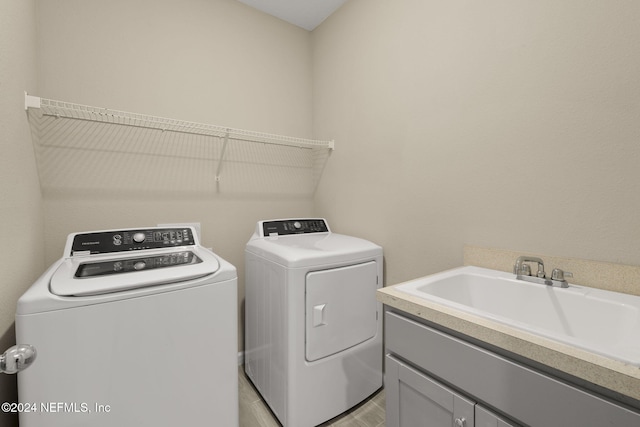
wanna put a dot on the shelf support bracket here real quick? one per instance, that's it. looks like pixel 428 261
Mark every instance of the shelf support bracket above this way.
pixel 224 150
pixel 31 101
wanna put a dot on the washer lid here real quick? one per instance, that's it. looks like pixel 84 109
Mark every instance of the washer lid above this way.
pixel 94 275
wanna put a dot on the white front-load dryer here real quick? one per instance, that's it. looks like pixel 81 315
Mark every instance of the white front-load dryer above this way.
pixel 313 327
pixel 134 327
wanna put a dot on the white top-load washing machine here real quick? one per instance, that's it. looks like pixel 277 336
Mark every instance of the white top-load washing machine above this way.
pixel 134 327
pixel 313 327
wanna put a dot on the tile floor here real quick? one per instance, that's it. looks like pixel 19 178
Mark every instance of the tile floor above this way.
pixel 255 413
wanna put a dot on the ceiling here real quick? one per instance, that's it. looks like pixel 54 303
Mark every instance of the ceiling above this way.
pixel 307 14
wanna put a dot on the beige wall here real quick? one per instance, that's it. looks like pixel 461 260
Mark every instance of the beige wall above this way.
pixel 218 62
pixel 22 251
pixel 502 124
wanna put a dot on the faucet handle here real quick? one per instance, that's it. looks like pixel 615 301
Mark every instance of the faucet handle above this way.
pixel 558 274
pixel 525 270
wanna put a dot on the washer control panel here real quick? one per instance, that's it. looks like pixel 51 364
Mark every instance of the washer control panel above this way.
pixel 126 265
pixel 129 240
pixel 283 227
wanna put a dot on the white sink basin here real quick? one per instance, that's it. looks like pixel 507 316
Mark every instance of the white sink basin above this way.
pixel 603 322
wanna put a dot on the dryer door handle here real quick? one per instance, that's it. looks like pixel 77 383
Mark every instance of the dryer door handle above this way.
pixel 318 315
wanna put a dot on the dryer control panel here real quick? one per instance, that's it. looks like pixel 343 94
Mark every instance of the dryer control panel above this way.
pixel 132 239
pixel 283 227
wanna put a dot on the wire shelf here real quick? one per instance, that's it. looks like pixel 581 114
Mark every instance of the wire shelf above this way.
pixel 84 148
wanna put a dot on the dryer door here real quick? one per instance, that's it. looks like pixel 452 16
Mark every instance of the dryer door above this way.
pixel 341 309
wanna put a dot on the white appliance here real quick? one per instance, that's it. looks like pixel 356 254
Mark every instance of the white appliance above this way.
pixel 313 327
pixel 134 327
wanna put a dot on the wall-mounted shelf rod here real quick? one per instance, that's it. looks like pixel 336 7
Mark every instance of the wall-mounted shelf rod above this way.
pixel 96 114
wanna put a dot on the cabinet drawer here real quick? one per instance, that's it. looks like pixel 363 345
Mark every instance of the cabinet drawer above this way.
pixel 529 396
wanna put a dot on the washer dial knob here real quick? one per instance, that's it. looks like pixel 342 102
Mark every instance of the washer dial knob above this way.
pixel 139 237
pixel 297 225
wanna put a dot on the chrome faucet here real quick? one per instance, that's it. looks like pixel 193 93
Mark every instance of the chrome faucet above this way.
pixel 523 272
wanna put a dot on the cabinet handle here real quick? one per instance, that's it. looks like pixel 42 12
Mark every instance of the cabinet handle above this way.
pixel 460 422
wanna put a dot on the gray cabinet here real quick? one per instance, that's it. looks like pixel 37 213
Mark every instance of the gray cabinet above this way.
pixel 432 379
pixel 416 400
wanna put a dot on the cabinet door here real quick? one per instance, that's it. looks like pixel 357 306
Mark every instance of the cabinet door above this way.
pixel 416 400
pixel 486 418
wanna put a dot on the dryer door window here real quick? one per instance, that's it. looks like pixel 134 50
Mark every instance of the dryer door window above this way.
pixel 341 309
